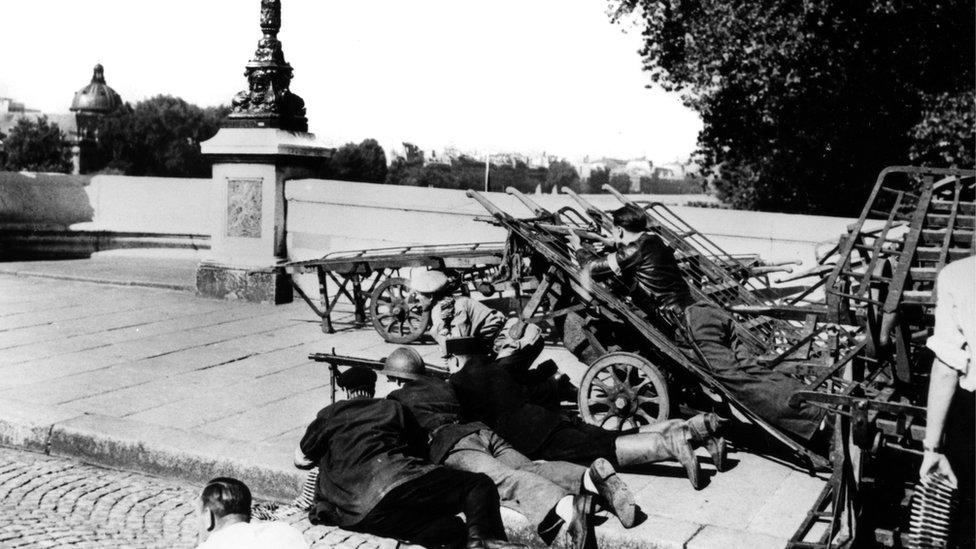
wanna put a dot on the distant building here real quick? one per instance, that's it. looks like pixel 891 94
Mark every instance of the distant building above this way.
pixel 80 126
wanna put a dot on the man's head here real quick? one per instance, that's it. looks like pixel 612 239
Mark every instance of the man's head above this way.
pixel 428 286
pixel 404 364
pixel 461 350
pixel 358 382
pixel 224 501
pixel 628 222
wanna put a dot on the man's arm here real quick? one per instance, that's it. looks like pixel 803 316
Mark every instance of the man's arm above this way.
pixel 311 448
pixel 485 321
pixel 942 387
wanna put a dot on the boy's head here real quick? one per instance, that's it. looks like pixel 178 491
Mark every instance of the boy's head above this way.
pixel 629 219
pixel 224 500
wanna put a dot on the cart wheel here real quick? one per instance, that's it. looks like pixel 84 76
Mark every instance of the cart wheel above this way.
pixel 623 391
pixel 396 313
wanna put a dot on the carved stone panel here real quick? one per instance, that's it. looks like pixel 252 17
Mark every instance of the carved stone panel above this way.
pixel 244 207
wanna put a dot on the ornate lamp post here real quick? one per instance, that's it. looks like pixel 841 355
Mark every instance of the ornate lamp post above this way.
pixel 268 102
pixel 263 143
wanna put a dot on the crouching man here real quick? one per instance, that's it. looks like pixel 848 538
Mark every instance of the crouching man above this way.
pixel 373 480
pixel 549 494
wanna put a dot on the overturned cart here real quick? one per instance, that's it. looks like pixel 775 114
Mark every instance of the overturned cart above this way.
pixel 854 335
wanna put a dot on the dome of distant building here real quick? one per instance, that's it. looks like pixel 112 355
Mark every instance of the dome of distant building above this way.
pixel 97 96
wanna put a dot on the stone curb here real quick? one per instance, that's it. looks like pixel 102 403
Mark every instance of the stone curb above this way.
pixel 96 280
pixel 196 458
pixel 156 450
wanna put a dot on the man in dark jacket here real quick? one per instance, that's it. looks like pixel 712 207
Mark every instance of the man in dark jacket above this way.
pixel 488 393
pixel 547 493
pixel 647 266
pixel 373 480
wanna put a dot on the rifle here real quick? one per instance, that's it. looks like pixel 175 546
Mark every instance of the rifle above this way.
pixel 334 361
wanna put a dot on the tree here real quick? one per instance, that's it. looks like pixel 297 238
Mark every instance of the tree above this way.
pixel 803 103
pixel 160 136
pixel 621 182
pixel 37 146
pixel 597 179
pixel 561 174
pixel 364 162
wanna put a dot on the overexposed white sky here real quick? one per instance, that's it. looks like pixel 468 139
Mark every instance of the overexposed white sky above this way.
pixel 505 75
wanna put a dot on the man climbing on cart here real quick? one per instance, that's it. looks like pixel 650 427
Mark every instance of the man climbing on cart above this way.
pixel 648 268
pixel 500 337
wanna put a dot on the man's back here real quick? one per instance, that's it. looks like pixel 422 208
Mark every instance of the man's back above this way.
pixel 436 408
pixel 649 269
pixel 255 535
pixel 364 448
pixel 488 393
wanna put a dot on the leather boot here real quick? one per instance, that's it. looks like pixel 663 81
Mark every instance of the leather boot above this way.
pixel 671 443
pixel 615 495
pixel 704 432
pixel 478 540
pixel 581 535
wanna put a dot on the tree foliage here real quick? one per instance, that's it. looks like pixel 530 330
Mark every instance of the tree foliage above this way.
pixel 803 102
pixel 159 136
pixel 621 182
pixel 36 145
pixel 364 162
pixel 597 179
pixel 561 174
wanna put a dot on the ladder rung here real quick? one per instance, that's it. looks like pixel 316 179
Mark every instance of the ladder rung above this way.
pixel 933 253
pixel 924 273
pixel 918 297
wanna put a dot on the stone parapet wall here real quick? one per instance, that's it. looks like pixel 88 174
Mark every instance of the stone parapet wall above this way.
pixel 43 200
pixel 327 216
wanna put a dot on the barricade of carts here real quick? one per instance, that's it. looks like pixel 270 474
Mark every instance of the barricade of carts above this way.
pixel 852 331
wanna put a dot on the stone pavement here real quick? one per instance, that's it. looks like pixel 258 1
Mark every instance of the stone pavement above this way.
pixel 58 502
pixel 174 385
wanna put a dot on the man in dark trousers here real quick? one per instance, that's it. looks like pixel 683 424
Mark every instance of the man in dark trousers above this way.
pixel 489 393
pixel 373 480
pixel 647 266
pixel 549 494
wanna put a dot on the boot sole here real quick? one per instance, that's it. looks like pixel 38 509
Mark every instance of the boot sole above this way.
pixel 615 492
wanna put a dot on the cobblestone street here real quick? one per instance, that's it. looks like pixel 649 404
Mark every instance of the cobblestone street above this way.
pixel 53 502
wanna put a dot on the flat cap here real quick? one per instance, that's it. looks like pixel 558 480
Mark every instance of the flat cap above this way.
pixel 428 282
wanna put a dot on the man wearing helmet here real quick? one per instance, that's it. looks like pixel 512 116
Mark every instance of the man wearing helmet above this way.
pixel 549 494
pixel 372 477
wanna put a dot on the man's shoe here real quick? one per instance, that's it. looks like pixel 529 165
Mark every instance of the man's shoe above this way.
pixel 581 535
pixel 613 492
pixel 705 429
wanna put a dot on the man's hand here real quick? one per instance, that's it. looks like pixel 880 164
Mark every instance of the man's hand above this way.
pixel 574 241
pixel 934 462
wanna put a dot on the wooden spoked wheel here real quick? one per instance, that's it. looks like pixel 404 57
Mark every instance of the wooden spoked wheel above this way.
pixel 623 391
pixel 396 313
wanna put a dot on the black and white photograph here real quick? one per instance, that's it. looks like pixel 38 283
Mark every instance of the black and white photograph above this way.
pixel 577 274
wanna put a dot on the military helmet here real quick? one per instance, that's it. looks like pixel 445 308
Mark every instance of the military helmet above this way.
pixel 404 363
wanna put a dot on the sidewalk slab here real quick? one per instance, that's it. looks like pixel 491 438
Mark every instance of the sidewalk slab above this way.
pixel 232 390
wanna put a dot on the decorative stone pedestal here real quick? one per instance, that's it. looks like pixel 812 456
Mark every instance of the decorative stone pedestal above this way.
pixel 248 231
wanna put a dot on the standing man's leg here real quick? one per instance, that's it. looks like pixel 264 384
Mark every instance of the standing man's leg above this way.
pixel 765 392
